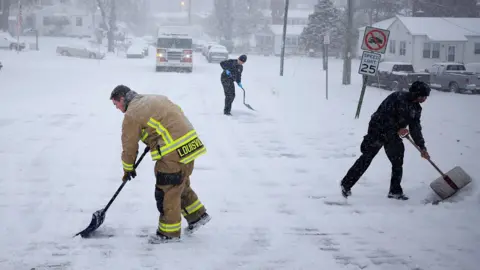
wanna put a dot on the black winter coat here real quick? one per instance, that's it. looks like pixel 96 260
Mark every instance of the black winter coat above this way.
pixel 399 111
pixel 235 70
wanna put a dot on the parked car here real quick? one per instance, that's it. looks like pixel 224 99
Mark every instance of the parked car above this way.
pixel 80 51
pixel 454 77
pixel 136 50
pixel 397 76
pixel 8 42
pixel 206 47
pixel 217 53
pixel 1 66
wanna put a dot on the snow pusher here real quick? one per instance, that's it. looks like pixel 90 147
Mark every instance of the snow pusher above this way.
pixel 99 216
pixel 448 183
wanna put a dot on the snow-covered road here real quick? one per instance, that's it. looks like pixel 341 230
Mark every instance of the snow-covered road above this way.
pixel 270 179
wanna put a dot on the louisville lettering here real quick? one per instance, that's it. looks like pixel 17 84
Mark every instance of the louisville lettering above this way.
pixel 190 147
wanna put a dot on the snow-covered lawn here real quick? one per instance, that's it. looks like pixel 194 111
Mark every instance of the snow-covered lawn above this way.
pixel 268 180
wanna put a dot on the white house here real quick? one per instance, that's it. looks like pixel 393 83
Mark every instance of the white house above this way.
pixel 268 39
pixel 62 19
pixel 291 38
pixel 423 41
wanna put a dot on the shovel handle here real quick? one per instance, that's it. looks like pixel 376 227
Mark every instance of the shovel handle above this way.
pixel 124 182
pixel 429 160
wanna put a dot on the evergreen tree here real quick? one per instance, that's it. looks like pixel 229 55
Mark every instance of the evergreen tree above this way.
pixel 326 19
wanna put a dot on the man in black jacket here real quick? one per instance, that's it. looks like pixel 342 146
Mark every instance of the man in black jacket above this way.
pixel 387 126
pixel 232 72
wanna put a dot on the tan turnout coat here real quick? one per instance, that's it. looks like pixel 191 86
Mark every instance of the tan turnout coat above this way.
pixel 162 125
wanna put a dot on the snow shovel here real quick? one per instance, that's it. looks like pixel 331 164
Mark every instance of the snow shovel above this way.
pixel 99 216
pixel 246 105
pixel 448 184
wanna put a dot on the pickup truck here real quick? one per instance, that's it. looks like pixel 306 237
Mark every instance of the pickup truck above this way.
pixel 396 76
pixel 454 77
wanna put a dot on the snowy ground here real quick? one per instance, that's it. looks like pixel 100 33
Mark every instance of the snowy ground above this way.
pixel 268 180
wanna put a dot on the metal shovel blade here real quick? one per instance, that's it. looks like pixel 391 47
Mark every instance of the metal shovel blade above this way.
pixel 248 106
pixel 97 219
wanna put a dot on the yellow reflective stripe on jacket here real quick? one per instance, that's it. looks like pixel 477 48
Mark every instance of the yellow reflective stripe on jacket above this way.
pixel 178 142
pixel 161 130
pixel 172 145
pixel 166 149
pixel 169 228
pixel 193 156
pixel 144 135
pixel 127 167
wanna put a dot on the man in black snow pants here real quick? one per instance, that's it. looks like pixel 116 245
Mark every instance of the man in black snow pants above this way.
pixel 387 126
pixel 232 72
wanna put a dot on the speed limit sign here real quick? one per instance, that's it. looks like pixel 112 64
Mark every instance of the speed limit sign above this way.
pixel 369 63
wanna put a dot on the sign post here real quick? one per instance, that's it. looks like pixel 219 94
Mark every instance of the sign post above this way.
pixel 374 44
pixel 326 42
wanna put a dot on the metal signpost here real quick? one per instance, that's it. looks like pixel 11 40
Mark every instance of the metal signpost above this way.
pixel 326 42
pixel 374 44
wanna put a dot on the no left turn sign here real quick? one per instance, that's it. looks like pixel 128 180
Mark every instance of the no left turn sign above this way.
pixel 375 39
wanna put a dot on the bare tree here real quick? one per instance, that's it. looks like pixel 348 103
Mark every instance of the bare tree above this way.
pixel 5 8
pixel 109 20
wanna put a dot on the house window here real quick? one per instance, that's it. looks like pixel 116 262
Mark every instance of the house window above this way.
pixel 391 46
pixel 291 41
pixel 79 21
pixel 477 48
pixel 431 50
pixel 427 47
pixel 403 48
pixel 436 50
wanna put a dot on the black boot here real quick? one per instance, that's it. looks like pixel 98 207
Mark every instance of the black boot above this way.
pixel 195 225
pixel 397 196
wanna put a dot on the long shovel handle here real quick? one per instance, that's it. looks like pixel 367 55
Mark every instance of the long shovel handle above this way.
pixel 429 160
pixel 244 103
pixel 124 182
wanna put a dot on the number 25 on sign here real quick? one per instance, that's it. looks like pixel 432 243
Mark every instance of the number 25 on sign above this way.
pixel 369 63
pixel 368 67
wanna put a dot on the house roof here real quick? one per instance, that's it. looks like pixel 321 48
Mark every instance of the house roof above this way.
pixel 61 10
pixel 292 13
pixel 385 24
pixel 292 30
pixel 442 28
pixel 435 28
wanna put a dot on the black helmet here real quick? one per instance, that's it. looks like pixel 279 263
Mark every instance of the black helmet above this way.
pixel 119 91
pixel 420 89
pixel 243 58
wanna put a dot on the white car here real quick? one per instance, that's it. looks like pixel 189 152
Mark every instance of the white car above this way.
pixel 80 51
pixel 8 42
pixel 206 48
pixel 136 50
pixel 217 53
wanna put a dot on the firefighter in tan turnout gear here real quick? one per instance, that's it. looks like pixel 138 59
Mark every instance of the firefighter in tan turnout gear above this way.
pixel 174 145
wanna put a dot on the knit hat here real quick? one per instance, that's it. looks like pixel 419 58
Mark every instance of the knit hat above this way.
pixel 243 58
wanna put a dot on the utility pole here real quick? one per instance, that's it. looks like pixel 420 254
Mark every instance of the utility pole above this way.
pixel 189 12
pixel 347 55
pixel 285 16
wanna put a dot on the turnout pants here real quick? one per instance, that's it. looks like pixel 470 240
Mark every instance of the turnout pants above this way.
pixel 175 197
pixel 229 89
pixel 372 143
